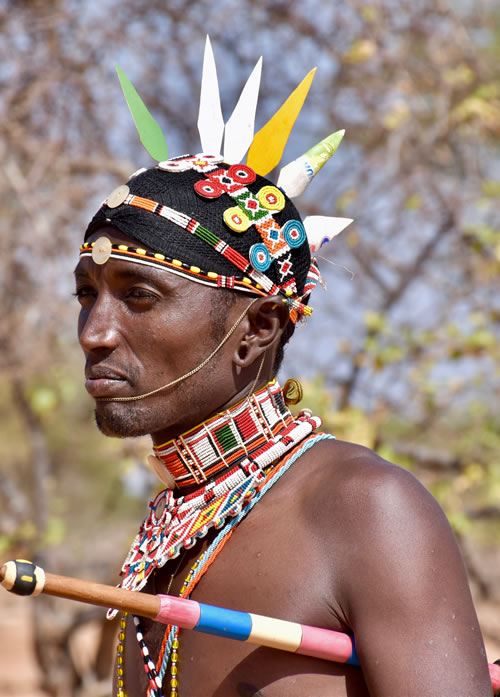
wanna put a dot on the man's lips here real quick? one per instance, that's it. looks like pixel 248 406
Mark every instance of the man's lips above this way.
pixel 101 382
pixel 104 387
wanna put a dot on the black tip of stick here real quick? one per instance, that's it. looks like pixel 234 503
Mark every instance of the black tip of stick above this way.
pixel 21 577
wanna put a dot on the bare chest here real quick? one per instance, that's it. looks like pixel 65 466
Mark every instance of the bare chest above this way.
pixel 272 566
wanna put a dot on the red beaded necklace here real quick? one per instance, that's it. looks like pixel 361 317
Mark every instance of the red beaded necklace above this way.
pixel 227 438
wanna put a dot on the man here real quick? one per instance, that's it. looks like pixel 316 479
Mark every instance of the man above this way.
pixel 343 540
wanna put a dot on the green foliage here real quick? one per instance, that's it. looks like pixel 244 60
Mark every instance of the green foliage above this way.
pixel 360 51
pixel 84 486
pixel 55 532
pixel 491 188
pixel 5 545
pixel 43 400
pixel 350 424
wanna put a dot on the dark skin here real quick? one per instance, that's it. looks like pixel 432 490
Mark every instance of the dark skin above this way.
pixel 344 541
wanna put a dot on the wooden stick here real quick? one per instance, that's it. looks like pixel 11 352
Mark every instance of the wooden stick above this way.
pixel 24 578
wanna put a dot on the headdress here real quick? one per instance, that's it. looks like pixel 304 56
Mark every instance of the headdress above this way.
pixel 213 219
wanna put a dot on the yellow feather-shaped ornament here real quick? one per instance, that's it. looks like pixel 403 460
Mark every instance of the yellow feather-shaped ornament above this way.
pixel 268 144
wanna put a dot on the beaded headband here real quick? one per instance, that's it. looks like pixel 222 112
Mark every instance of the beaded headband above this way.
pixel 102 249
pixel 276 261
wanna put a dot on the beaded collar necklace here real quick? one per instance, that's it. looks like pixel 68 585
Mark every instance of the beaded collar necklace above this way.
pixel 266 431
pixel 227 438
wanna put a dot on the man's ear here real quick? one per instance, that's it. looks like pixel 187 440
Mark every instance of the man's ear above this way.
pixel 263 327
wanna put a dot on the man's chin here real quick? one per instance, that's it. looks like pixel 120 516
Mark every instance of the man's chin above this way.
pixel 114 421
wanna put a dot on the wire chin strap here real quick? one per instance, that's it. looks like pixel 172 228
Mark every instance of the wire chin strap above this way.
pixel 194 370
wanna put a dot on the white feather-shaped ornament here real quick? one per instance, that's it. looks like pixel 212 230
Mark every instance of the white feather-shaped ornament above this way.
pixel 239 130
pixel 296 176
pixel 210 120
pixel 321 229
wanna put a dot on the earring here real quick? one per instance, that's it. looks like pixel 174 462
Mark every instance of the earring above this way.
pixel 292 392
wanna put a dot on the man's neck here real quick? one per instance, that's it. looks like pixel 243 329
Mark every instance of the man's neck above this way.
pixel 211 448
pixel 164 435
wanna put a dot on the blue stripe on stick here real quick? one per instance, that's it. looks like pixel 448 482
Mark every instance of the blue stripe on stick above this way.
pixel 222 622
pixel 354 659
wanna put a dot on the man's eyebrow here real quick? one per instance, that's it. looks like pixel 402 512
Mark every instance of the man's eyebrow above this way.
pixel 137 272
pixel 80 272
pixel 133 272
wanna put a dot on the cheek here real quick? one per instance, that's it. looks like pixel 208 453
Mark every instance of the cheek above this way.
pixel 179 343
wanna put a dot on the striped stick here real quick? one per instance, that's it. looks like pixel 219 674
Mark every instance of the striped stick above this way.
pixel 24 578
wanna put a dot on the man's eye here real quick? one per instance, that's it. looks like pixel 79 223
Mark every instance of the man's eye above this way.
pixel 141 294
pixel 84 292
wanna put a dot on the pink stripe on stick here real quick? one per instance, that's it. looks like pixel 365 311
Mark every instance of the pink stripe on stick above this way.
pixel 180 611
pixel 495 676
pixel 325 643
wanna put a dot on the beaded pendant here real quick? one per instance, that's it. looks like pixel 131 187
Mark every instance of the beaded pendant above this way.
pixel 173 524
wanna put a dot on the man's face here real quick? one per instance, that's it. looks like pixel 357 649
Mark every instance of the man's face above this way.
pixel 141 328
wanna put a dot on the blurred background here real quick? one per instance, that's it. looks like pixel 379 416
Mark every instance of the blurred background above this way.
pixel 402 351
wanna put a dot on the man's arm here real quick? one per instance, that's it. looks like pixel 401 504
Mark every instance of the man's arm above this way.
pixel 403 588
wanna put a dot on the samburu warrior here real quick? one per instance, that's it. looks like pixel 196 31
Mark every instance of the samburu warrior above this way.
pixel 191 279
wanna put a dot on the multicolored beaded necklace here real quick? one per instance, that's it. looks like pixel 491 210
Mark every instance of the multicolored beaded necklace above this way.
pixel 234 448
pixel 238 447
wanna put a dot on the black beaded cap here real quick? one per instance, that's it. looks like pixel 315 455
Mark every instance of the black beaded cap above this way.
pixel 176 190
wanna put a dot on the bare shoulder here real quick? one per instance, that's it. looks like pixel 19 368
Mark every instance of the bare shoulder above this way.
pixel 375 518
pixel 355 483
pixel 394 574
pixel 378 521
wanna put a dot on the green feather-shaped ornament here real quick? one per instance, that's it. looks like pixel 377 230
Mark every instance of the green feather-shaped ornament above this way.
pixel 147 127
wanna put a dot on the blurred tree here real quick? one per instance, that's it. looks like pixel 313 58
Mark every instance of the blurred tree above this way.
pixel 408 349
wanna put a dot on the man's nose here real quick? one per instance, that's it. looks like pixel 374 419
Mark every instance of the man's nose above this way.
pixel 98 328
